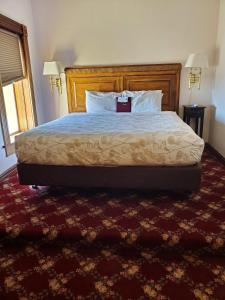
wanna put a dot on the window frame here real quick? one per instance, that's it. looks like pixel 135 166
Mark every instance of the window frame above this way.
pixel 19 87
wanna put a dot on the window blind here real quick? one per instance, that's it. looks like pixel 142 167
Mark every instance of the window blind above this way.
pixel 11 59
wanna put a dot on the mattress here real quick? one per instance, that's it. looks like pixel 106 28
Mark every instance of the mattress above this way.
pixel 124 139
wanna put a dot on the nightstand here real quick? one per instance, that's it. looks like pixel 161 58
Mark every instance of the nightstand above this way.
pixel 196 113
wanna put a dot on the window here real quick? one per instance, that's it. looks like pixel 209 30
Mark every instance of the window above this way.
pixel 17 109
pixel 11 110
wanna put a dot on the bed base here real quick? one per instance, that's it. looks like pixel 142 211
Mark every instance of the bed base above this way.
pixel 186 178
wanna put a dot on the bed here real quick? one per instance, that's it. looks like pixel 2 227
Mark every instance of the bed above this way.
pixel 120 150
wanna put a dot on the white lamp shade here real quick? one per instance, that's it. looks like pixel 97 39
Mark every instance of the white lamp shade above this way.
pixel 51 68
pixel 197 60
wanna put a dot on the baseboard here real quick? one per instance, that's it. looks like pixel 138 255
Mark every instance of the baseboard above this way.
pixel 215 152
pixel 7 172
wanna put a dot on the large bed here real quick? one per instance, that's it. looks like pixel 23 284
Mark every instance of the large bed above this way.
pixel 117 150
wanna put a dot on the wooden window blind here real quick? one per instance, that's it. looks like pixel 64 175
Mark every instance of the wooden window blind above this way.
pixel 11 58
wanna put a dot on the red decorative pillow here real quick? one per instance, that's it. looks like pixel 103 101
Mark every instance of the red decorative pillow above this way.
pixel 123 106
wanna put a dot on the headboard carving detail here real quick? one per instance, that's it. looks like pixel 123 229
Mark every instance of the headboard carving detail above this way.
pixel 165 77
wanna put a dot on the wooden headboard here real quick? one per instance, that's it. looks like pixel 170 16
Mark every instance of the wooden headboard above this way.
pixel 165 77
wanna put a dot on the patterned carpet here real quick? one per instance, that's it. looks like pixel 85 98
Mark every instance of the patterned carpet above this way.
pixel 74 244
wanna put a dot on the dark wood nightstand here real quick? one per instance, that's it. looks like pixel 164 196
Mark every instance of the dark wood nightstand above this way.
pixel 197 113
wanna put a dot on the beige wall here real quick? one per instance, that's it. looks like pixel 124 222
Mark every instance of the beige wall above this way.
pixel 85 32
pixel 217 132
pixel 21 11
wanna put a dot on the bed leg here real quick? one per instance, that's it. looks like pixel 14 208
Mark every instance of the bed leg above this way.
pixel 35 187
pixel 188 193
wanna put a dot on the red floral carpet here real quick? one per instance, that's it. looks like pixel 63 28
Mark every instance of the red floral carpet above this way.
pixel 74 244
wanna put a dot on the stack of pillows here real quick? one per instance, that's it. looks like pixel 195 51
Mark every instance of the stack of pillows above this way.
pixel 126 101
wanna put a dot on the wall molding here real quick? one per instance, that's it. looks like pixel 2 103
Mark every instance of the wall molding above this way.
pixel 215 152
pixel 7 172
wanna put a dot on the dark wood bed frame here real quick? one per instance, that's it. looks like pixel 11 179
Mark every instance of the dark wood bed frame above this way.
pixel 165 77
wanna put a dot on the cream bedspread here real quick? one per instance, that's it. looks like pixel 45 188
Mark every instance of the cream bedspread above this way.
pixel 111 139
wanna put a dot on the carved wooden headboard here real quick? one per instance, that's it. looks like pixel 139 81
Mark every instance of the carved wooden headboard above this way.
pixel 165 77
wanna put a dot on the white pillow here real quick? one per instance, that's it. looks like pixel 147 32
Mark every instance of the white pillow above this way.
pixel 147 101
pixel 101 102
pixel 137 93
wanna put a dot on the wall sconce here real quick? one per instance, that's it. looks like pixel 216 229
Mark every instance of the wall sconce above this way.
pixel 196 62
pixel 53 69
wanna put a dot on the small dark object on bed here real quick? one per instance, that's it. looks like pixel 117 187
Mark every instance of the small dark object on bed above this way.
pixel 123 106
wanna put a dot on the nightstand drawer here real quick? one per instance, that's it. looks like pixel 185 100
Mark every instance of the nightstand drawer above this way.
pixel 195 111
